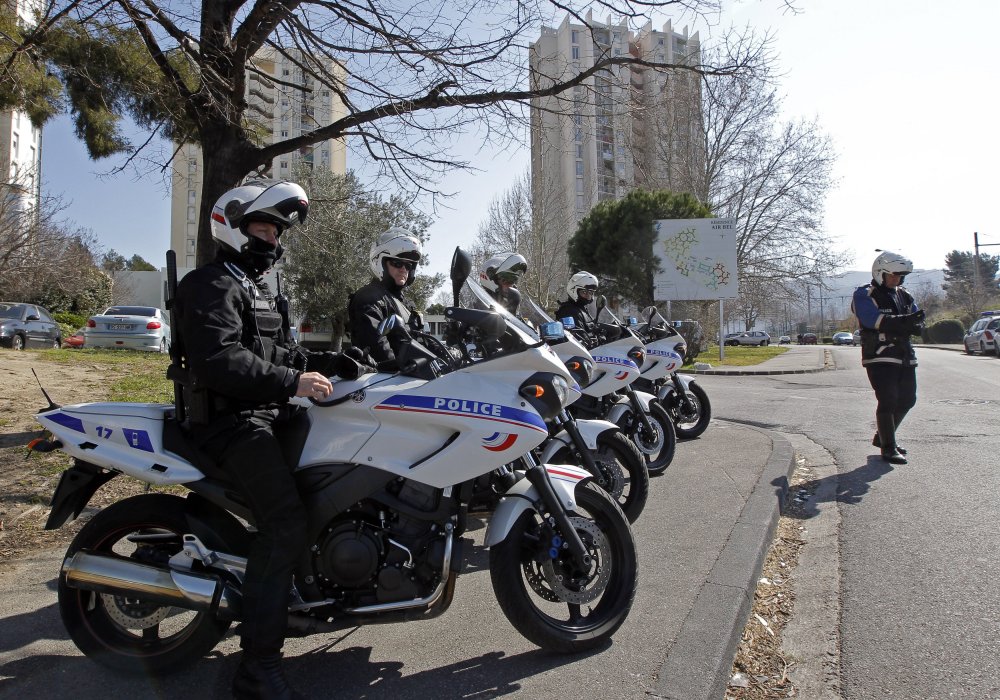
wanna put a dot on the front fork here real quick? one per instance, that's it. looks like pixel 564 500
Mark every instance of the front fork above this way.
pixel 682 395
pixel 567 423
pixel 639 411
pixel 539 478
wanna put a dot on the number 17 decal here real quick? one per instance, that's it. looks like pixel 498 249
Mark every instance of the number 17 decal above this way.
pixel 103 432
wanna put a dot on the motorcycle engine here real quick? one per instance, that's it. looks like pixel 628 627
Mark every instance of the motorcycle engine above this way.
pixel 372 554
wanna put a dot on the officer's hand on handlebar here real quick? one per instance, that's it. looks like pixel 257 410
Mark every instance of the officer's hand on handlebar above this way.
pixel 313 385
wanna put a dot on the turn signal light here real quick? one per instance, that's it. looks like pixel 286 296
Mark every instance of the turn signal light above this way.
pixel 533 391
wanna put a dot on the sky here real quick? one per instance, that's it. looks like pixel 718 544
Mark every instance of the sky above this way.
pixel 908 90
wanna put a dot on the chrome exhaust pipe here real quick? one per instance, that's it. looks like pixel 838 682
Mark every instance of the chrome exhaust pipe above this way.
pixel 108 574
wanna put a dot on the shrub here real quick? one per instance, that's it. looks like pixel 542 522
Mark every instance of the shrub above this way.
pixel 826 340
pixel 70 319
pixel 948 331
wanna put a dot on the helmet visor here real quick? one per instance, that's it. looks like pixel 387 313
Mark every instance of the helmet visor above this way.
pixel 508 276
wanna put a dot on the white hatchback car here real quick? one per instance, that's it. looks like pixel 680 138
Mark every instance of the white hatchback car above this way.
pixel 758 338
pixel 982 336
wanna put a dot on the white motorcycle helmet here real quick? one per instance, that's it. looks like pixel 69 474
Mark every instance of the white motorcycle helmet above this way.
pixel 581 280
pixel 506 266
pixel 277 202
pixel 398 244
pixel 893 263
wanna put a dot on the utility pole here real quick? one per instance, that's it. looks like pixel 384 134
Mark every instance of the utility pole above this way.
pixel 975 265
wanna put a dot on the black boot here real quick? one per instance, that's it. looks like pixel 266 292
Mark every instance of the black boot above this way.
pixel 887 438
pixel 259 677
pixel 878 443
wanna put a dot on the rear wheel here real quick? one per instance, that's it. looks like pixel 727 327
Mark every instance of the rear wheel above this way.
pixel 623 474
pixel 125 632
pixel 550 602
pixel 163 346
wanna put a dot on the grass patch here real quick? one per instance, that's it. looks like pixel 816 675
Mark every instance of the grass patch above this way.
pixel 132 376
pixel 741 356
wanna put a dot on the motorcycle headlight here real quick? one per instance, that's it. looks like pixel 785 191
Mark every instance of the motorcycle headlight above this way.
pixel 681 349
pixel 581 369
pixel 637 355
pixel 546 392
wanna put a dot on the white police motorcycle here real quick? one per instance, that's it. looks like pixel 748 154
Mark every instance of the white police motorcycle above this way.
pixel 386 467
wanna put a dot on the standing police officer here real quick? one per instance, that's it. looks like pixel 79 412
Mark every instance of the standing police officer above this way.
pixel 243 371
pixel 888 317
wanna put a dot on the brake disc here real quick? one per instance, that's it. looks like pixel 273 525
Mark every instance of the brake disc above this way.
pixel 612 475
pixel 566 589
pixel 646 446
pixel 134 614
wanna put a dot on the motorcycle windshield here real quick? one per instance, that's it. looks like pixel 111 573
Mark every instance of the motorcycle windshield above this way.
pixel 533 312
pixel 483 300
pixel 653 317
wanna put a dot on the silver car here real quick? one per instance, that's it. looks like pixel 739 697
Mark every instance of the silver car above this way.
pixel 134 327
pixel 758 338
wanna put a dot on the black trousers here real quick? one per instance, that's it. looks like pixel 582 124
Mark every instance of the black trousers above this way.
pixel 896 391
pixel 251 456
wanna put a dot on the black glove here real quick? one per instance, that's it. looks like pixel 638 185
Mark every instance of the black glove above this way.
pixel 298 358
pixel 902 324
pixel 416 321
pixel 347 367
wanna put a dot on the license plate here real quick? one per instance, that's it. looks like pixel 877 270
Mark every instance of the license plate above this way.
pixel 120 326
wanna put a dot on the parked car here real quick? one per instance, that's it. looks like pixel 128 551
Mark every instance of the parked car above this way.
pixel 843 338
pixel 134 327
pixel 807 339
pixel 758 338
pixel 76 340
pixel 27 326
pixel 857 337
pixel 982 336
pixel 314 335
pixel 784 339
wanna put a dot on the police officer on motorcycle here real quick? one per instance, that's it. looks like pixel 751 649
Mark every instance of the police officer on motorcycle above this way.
pixel 393 260
pixel 581 289
pixel 888 316
pixel 243 370
pixel 500 276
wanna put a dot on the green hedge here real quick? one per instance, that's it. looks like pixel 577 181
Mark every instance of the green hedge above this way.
pixel 950 331
pixel 70 319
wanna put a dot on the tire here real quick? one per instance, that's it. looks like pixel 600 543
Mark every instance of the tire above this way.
pixel 57 343
pixel 694 424
pixel 764 344
pixel 114 630
pixel 539 605
pixel 624 474
pixel 164 348
pixel 17 342
pixel 657 462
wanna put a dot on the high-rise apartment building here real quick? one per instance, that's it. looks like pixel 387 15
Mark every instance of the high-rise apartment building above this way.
pixel 20 141
pixel 626 126
pixel 287 106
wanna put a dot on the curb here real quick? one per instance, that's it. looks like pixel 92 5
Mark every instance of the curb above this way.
pixel 698 664
pixel 745 372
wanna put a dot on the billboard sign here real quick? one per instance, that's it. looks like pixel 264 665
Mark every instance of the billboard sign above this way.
pixel 697 259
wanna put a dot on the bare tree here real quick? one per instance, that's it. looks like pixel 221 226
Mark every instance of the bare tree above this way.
pixel 747 163
pixel 412 77
pixel 513 224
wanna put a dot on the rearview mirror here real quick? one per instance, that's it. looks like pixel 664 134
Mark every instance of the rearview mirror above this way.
pixel 461 268
pixel 33 317
pixel 601 302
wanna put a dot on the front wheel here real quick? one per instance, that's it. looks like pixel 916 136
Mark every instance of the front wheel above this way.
pixel 623 474
pixel 17 342
pixel 658 444
pixel 691 423
pixel 550 602
pixel 125 632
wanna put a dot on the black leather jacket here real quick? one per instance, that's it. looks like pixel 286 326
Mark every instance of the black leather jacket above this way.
pixel 236 349
pixel 367 308
pixel 578 312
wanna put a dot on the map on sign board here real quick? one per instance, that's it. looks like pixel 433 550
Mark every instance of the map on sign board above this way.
pixel 697 259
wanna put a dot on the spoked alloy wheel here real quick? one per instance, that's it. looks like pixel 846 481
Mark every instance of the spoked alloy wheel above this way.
pixel 545 598
pixel 623 471
pixel 17 342
pixel 125 632
pixel 691 424
pixel 659 445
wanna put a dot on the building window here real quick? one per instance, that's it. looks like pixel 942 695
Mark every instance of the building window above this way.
pixel 579 168
pixel 284 164
pixel 578 134
pixel 13 147
pixel 190 245
pixel 574 37
pixel 284 133
pixel 621 168
pixel 192 196
pixel 192 230
pixel 192 166
pixel 576 52
pixel 579 185
pixel 326 93
pixel 579 202
pixel 578 119
pixel 191 214
pixel 284 71
pixel 190 261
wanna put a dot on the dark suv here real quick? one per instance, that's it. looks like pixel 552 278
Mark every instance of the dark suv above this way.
pixel 27 326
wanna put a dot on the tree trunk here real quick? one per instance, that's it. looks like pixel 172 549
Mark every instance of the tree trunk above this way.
pixel 231 161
